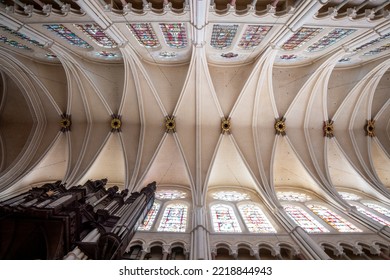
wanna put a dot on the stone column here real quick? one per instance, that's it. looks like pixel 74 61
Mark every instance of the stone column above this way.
pixel 200 236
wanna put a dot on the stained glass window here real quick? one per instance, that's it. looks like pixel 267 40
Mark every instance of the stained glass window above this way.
pixel 107 54
pixel 372 42
pixel 304 220
pixel 378 208
pixel 67 35
pixel 144 34
pixel 170 194
pixel 13 43
pixel 288 57
pixel 174 218
pixel 349 196
pixel 255 220
pixel 167 54
pixel 175 34
pixel 253 35
pixel 96 33
pixel 230 196
pixel 378 50
pixel 224 219
pixel 223 35
pixel 150 217
pixel 21 36
pixel 303 35
pixel 293 196
pixel 333 37
pixel 373 216
pixel 333 219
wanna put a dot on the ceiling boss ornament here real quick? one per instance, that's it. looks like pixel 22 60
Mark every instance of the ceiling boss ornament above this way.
pixel 116 123
pixel 280 126
pixel 170 124
pixel 226 125
pixel 65 122
pixel 369 128
pixel 328 129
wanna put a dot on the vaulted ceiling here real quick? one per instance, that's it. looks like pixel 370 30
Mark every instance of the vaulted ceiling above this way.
pixel 310 62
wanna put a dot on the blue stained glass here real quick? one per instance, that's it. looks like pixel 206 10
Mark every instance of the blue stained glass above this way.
pixel 175 34
pixel 330 39
pixel 67 35
pixel 223 35
pixel 13 43
pixel 21 36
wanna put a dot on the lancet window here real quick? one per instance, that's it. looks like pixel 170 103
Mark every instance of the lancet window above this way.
pixel 371 209
pixel 304 220
pixel 333 219
pixel 175 34
pixel 150 217
pixel 96 33
pixel 255 220
pixel 253 35
pixel 174 218
pixel 144 34
pixel 223 35
pixel 224 218
pixel 66 34
pixel 303 35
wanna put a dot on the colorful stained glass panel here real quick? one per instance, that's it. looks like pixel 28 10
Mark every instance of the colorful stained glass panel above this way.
pixel 174 218
pixel 144 34
pixel 378 208
pixel 67 35
pixel 304 220
pixel 292 196
pixel 150 217
pixel 96 33
pixel 303 35
pixel 288 57
pixel 255 220
pixel 223 35
pixel 333 37
pixel 21 36
pixel 224 219
pixel 170 194
pixel 333 219
pixel 230 196
pixel 175 34
pixel 253 35
pixel 373 216
pixel 14 43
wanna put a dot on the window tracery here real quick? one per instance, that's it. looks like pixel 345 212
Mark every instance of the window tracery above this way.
pixel 170 194
pixel 230 196
pixel 96 33
pixel 293 196
pixel 66 34
pixel 175 34
pixel 144 34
